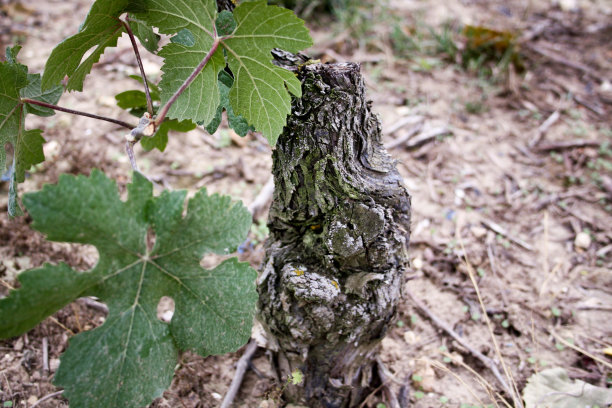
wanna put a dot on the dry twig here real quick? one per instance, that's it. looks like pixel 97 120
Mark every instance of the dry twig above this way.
pixel 45 356
pixel 404 138
pixel 560 60
pixel 427 136
pixel 407 120
pixel 241 368
pixel 497 277
pixel 567 144
pixel 263 198
pixel 385 378
pixel 579 350
pixel 46 397
pixel 502 231
pixel 543 128
pixel 94 304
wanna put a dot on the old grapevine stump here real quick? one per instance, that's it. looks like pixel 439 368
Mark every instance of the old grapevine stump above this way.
pixel 339 227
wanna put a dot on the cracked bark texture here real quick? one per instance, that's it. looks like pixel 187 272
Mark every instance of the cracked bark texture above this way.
pixel 339 229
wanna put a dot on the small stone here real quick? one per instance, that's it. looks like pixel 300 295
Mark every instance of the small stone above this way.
pixel 568 5
pixel 410 337
pixel 24 262
pixel 478 232
pixel 51 149
pixel 583 240
pixel 32 400
pixel 417 263
pixel 18 346
pixel 216 395
pixel 269 403
pixel 426 374
pixel 54 364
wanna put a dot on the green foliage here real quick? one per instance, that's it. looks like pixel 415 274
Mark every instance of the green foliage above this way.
pixel 130 359
pixel 149 247
pixel 101 29
pixel 487 50
pixel 246 38
pixel 136 103
pixel 193 37
pixel 236 122
pixel 160 139
pixel 258 92
pixel 16 83
pixel 297 377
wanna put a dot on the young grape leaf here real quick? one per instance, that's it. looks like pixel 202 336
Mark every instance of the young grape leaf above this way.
pixel 236 122
pixel 136 102
pixel 259 92
pixel 193 24
pixel 132 99
pixel 130 359
pixel 15 82
pixel 101 29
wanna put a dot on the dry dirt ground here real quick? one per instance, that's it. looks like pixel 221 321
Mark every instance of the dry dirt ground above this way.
pixel 510 173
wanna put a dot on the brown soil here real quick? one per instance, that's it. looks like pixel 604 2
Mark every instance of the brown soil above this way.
pixel 544 276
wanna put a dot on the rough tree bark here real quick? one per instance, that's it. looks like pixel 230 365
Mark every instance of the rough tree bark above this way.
pixel 339 228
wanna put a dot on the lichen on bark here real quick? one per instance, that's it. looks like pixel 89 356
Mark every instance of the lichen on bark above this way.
pixel 339 228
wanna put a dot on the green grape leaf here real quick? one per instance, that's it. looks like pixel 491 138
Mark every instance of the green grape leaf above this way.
pixel 145 34
pixel 11 53
pixel 15 82
pixel 13 78
pixel 160 139
pixel 130 359
pixel 132 99
pixel 236 122
pixel 136 102
pixel 34 91
pixel 259 92
pixel 192 39
pixel 101 29
pixel 29 151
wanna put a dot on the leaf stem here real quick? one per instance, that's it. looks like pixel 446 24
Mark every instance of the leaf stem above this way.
pixel 75 112
pixel 164 110
pixel 139 60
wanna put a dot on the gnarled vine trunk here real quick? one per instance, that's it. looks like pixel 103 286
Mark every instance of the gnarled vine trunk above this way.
pixel 339 227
